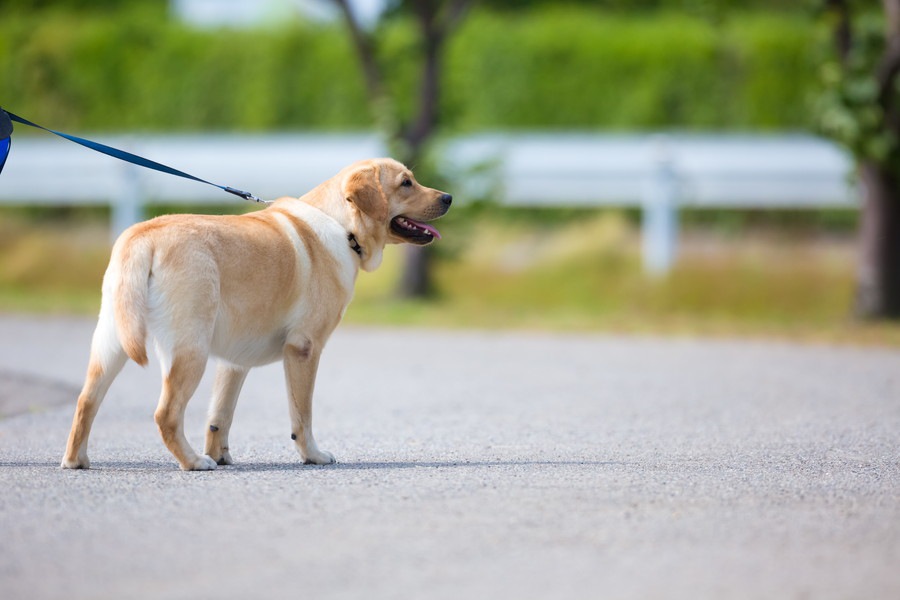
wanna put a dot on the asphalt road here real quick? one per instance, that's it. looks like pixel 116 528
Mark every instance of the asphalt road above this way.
pixel 471 465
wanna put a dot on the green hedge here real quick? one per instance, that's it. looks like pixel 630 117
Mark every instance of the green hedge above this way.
pixel 572 67
pixel 564 69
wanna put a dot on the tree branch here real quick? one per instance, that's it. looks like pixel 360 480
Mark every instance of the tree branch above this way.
pixel 889 67
pixel 436 22
pixel 455 12
pixel 432 39
pixel 843 32
pixel 892 16
pixel 365 52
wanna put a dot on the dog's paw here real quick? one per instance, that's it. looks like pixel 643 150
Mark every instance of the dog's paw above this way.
pixel 319 457
pixel 81 462
pixel 203 463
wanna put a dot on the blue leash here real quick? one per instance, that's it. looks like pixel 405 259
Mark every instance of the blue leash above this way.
pixel 6 129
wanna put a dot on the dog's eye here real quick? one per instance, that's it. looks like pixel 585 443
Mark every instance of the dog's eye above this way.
pixel 407 182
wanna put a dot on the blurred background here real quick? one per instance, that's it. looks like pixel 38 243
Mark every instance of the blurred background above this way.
pixel 713 167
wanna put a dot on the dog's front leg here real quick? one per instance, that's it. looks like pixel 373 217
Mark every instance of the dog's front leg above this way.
pixel 301 361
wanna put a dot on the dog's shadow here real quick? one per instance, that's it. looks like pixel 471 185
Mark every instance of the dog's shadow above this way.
pixel 397 465
pixel 264 466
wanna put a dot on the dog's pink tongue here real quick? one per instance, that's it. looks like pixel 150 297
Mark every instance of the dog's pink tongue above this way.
pixel 428 228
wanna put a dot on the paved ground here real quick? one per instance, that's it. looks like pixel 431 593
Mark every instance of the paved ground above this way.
pixel 473 465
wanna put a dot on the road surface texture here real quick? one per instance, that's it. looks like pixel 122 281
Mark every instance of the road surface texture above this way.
pixel 471 465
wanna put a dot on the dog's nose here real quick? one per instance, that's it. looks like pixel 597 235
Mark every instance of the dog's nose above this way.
pixel 447 199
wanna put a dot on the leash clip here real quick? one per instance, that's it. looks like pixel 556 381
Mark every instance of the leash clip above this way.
pixel 244 195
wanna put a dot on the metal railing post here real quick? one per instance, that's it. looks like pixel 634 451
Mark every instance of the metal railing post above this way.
pixel 659 218
pixel 127 207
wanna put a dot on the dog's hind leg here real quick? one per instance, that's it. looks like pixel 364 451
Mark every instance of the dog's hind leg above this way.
pixel 107 360
pixel 229 379
pixel 179 384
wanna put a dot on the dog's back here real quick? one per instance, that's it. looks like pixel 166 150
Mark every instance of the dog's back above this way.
pixel 229 283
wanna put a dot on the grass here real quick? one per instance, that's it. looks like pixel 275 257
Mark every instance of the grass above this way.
pixel 586 276
pixel 496 270
pixel 52 267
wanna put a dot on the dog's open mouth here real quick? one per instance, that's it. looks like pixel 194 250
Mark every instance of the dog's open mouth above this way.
pixel 414 232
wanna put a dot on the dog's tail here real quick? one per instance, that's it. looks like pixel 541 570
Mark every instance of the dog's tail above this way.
pixel 129 288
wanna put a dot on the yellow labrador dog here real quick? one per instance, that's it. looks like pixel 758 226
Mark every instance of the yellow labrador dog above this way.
pixel 250 290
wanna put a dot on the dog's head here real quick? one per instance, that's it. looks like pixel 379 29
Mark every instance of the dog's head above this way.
pixel 388 206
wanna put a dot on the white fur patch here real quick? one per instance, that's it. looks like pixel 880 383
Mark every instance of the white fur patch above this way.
pixel 330 233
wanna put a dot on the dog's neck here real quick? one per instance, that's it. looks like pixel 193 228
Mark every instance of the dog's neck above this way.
pixel 329 199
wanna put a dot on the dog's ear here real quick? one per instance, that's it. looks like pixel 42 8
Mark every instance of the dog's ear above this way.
pixel 362 188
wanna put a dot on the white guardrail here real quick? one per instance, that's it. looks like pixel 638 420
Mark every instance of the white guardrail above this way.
pixel 657 172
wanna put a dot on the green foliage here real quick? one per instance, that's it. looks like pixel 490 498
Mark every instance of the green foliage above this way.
pixel 556 66
pixel 561 69
pixel 849 107
pixel 82 6
pixel 135 73
pixel 705 6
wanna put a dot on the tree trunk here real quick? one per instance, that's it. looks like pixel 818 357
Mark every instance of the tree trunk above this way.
pixel 435 21
pixel 416 281
pixel 878 271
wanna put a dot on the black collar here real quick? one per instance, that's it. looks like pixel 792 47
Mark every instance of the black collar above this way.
pixel 354 245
